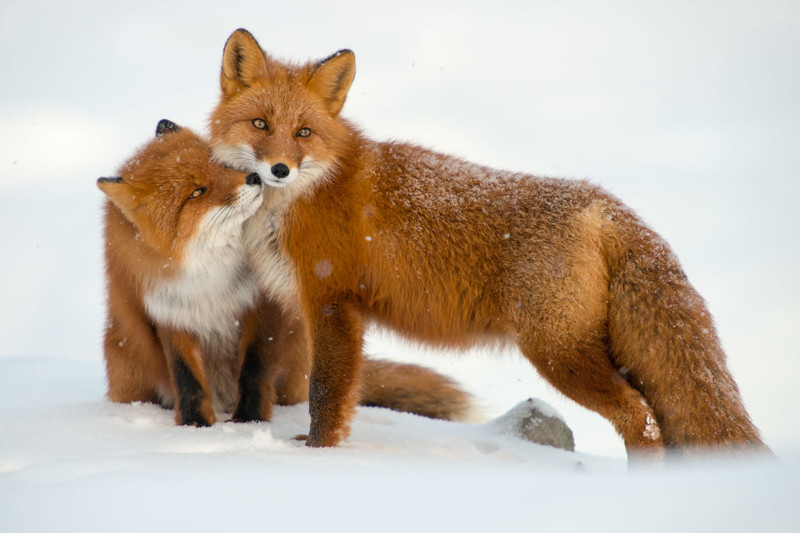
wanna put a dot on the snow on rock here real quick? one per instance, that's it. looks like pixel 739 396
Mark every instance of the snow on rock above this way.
pixel 536 421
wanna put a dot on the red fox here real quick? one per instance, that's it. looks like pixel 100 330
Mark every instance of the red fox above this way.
pixel 454 254
pixel 187 324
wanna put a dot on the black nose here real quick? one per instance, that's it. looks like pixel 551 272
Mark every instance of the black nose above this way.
pixel 253 179
pixel 280 170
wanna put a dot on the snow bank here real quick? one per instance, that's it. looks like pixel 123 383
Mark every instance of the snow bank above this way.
pixel 72 461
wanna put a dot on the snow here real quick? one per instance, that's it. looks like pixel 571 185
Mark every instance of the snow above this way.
pixel 651 430
pixel 687 111
pixel 71 461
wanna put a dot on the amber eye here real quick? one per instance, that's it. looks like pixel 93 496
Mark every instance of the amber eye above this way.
pixel 198 192
pixel 260 123
pixel 304 132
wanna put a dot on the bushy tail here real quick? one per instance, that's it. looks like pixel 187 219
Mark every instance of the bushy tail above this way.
pixel 412 389
pixel 663 340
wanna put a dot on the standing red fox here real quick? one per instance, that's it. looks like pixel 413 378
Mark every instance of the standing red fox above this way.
pixel 454 254
pixel 187 325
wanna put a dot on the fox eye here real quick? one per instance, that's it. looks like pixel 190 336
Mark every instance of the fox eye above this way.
pixel 198 192
pixel 259 123
pixel 304 132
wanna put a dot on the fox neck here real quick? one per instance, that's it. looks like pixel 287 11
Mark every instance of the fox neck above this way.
pixel 263 234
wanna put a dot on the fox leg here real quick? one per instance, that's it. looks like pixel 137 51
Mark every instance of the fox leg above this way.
pixel 192 396
pixel 258 356
pixel 135 364
pixel 335 376
pixel 581 370
pixel 293 367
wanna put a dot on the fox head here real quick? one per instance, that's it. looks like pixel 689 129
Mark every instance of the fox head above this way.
pixel 277 119
pixel 173 193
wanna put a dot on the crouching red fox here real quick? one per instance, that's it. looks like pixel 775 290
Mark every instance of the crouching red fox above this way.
pixel 187 323
pixel 453 254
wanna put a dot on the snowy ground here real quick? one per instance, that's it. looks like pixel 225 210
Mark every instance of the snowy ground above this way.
pixel 688 111
pixel 70 461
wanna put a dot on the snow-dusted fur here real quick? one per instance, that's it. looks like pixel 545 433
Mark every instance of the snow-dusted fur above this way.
pixel 188 324
pixel 453 254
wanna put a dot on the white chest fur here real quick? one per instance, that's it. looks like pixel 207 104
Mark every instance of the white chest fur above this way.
pixel 275 271
pixel 211 294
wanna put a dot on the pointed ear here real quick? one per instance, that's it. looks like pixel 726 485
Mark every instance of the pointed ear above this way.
pixel 332 78
pixel 117 191
pixel 164 126
pixel 243 62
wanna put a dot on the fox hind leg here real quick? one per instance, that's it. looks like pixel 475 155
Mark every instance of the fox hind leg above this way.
pixel 582 371
pixel 136 368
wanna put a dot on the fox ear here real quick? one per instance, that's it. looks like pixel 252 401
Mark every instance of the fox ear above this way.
pixel 243 62
pixel 164 126
pixel 118 192
pixel 112 187
pixel 332 78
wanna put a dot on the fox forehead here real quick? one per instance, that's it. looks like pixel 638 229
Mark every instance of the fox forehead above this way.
pixel 176 172
pixel 176 154
pixel 287 100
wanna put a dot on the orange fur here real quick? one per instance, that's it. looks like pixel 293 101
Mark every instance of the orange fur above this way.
pixel 154 353
pixel 453 254
pixel 222 348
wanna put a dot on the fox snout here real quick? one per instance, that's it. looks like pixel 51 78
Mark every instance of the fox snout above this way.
pixel 277 174
pixel 253 179
pixel 280 170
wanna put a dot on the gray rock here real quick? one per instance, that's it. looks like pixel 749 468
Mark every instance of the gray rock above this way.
pixel 536 421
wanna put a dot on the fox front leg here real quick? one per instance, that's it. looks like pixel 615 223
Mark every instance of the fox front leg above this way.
pixel 192 397
pixel 335 375
pixel 256 352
